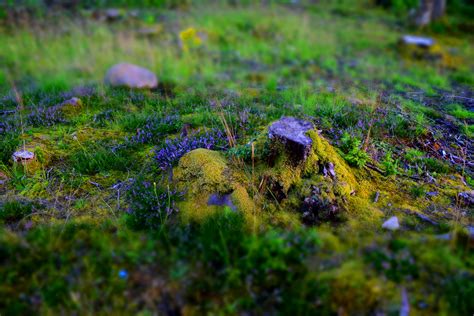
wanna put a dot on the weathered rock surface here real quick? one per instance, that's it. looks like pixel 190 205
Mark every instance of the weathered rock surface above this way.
pixel 391 223
pixel 130 76
pixel 221 200
pixel 291 132
pixel 23 156
pixel 417 41
pixel 71 106
pixel 467 197
pixel 27 159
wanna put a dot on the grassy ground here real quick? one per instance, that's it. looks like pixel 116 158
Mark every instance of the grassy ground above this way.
pixel 98 226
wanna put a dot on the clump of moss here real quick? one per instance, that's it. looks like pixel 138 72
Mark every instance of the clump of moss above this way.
pixel 203 170
pixel 202 173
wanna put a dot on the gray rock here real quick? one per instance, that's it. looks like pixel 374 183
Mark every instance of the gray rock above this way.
pixel 130 76
pixel 467 197
pixel 391 223
pixel 470 231
pixel 417 41
pixel 23 155
pixel 221 200
pixel 292 133
pixel 72 101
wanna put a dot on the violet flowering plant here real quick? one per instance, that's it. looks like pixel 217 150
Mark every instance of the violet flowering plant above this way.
pixel 155 128
pixel 173 149
pixel 46 116
pixel 151 204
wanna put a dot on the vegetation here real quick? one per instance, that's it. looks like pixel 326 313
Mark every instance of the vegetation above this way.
pixel 175 200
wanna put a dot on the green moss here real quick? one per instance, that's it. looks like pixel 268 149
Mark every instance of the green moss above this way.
pixel 203 171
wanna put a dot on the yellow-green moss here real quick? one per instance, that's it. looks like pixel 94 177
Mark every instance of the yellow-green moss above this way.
pixel 353 291
pixel 203 171
pixel 245 204
pixel 324 152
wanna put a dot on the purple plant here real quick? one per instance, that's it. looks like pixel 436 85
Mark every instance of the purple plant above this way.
pixel 155 128
pixel 7 127
pixel 150 204
pixel 174 149
pixel 46 116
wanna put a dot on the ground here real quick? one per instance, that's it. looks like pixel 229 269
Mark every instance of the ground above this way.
pixel 114 215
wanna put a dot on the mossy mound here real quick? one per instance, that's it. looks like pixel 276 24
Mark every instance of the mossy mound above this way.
pixel 202 173
pixel 323 183
pixel 202 170
pixel 433 53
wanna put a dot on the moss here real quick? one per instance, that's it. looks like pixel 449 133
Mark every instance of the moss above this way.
pixel 354 291
pixel 245 203
pixel 72 107
pixel 203 171
pixel 324 152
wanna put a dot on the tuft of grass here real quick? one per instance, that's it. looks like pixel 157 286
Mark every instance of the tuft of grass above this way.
pixel 459 112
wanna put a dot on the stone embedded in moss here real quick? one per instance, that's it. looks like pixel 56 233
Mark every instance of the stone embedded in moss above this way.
pixel 204 175
pixel 27 159
pixel 71 106
pixel 291 132
pixel 425 48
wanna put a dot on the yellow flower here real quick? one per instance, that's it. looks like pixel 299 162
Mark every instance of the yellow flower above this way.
pixel 189 38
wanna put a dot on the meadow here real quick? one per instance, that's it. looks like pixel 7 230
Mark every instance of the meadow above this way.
pixel 176 200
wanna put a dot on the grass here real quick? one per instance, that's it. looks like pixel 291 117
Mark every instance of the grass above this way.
pixel 100 227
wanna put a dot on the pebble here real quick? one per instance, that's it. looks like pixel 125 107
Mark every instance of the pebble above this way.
pixel 391 223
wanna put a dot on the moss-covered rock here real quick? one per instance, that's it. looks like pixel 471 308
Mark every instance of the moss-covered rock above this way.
pixel 203 170
pixel 203 173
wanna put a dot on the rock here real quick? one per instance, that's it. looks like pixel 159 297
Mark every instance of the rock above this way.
pixel 109 15
pixel 424 48
pixel 467 197
pixel 221 200
pixel 23 155
pixel 470 231
pixel 27 159
pixel 112 14
pixel 73 102
pixel 130 76
pixel 209 184
pixel 419 41
pixel 291 132
pixel 391 223
pixel 203 171
pixel 71 106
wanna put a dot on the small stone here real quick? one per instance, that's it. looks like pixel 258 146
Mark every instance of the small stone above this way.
pixel 71 106
pixel 112 13
pixel 292 133
pixel 467 197
pixel 221 200
pixel 417 41
pixel 391 223
pixel 73 102
pixel 470 231
pixel 23 156
pixel 130 76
